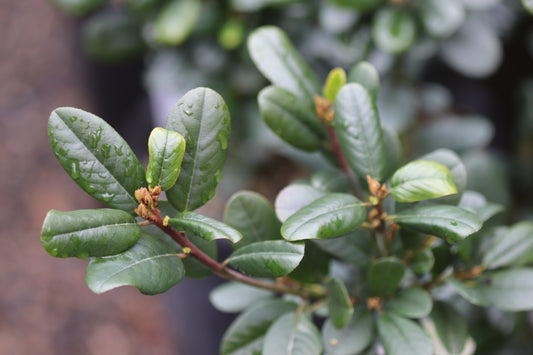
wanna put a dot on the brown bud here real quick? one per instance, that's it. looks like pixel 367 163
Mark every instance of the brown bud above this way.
pixel 373 185
pixel 140 193
pixel 156 191
pixel 142 211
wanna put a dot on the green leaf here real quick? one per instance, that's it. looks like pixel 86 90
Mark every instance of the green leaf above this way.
pixel 253 216
pixel 354 248
pixel 314 266
pixel 205 227
pixel 233 297
pixel 421 180
pixel 166 150
pixel 448 222
pixel 142 7
pixel 246 333
pixel 87 233
pixel 450 327
pixel 365 74
pixel 401 336
pixel 422 262
pixel 277 59
pixel 176 21
pixel 96 157
pixel 413 302
pixel 330 181
pixel 359 132
pixel 150 265
pixel 78 7
pixel 334 82
pixel 292 334
pixel 290 118
pixel 293 198
pixel 528 4
pixel 202 117
pixel 340 307
pixel 330 216
pixel 352 339
pixel 393 30
pixel 442 18
pixel 513 248
pixel 393 150
pixel 361 5
pixel 384 276
pixel 271 258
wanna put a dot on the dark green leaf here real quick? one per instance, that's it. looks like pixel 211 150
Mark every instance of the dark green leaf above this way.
pixel 87 233
pixel 290 118
pixel 340 307
pixel 359 131
pixel 271 258
pixel 292 334
pixel 362 5
pixel 166 150
pixel 442 18
pixel 176 21
pixel 450 326
pixel 78 7
pixel 150 265
pixel 334 82
pixel 393 30
pixel 401 336
pixel 205 227
pixel 276 58
pixel 354 248
pixel 413 302
pixel 96 157
pixel 422 262
pixel 330 181
pixel 233 297
pixel 393 150
pixel 421 180
pixel 246 333
pixel 365 74
pixel 384 276
pixel 513 248
pixel 448 222
pixel 314 266
pixel 253 216
pixel 330 216
pixel 202 117
pixel 353 338
pixel 293 198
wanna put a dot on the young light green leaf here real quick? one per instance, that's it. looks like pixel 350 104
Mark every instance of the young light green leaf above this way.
pixel 294 197
pixel 205 227
pixel 96 157
pixel 365 74
pixel 442 18
pixel 271 258
pixel 401 336
pixel 253 216
pixel 393 30
pixel 340 307
pixel 234 297
pixel 176 21
pixel 334 82
pixel 330 216
pixel 353 338
pixel 412 302
pixel 78 7
pixel 88 233
pixel 150 266
pixel 450 327
pixel 513 248
pixel 166 149
pixel 202 117
pixel 246 333
pixel 292 334
pixel 277 59
pixel 384 276
pixel 290 118
pixel 448 222
pixel 359 132
pixel 421 180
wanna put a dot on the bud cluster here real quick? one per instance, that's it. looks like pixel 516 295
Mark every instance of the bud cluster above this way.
pixel 147 202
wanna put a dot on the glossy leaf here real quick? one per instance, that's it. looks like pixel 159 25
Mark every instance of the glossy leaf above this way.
pixel 87 233
pixel 340 308
pixel 442 18
pixel 292 334
pixel 202 117
pixel 277 59
pixel 448 222
pixel 352 339
pixel 233 297
pixel 393 30
pixel 253 216
pixel 96 157
pixel 176 21
pixel 150 266
pixel 365 74
pixel 294 197
pixel 330 216
pixel 413 302
pixel 246 333
pixel 334 82
pixel 513 248
pixel 78 7
pixel 450 327
pixel 421 180
pixel 384 276
pixel 271 258
pixel 401 336
pixel 353 248
pixel 330 181
pixel 205 227
pixel 166 149
pixel 359 132
pixel 290 118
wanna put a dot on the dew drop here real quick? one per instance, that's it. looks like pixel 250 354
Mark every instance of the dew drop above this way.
pixel 217 106
pixel 95 137
pixel 73 118
pixel 187 112
pixel 74 169
pixel 118 150
pixel 107 197
pixel 453 223
pixel 105 149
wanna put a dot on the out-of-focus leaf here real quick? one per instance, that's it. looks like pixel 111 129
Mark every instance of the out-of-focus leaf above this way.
pixel 234 297
pixel 393 30
pixel 352 339
pixel 384 276
pixel 413 302
pixel 512 248
pixel 365 74
pixel 528 4
pixel 78 7
pixel 340 307
pixel 450 327
pixel 354 248
pixel 294 197
pixel 166 150
pixel 314 266
pixel 442 18
pixel 393 150
pixel 361 5
pixel 176 21
pixel 330 181
pixel 401 336
pixel 422 262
